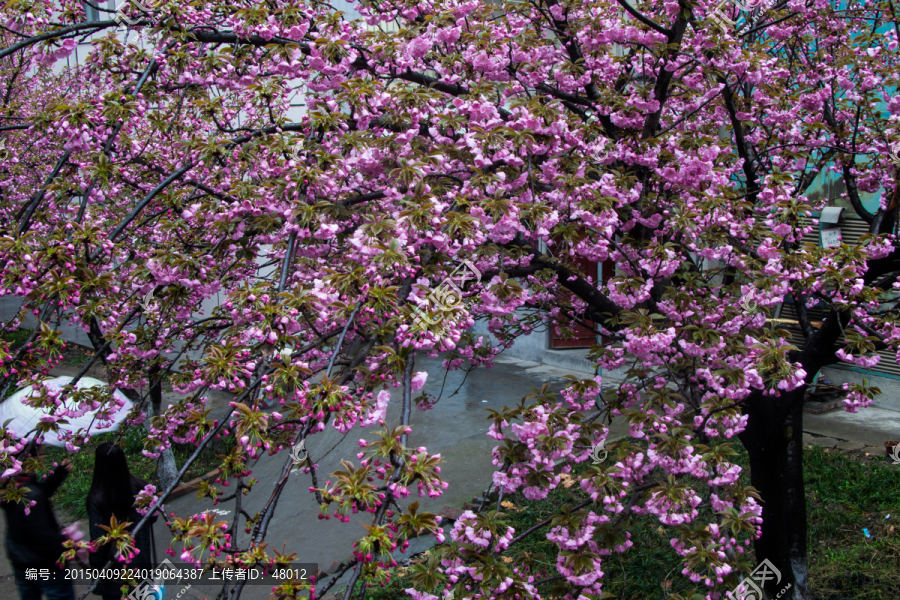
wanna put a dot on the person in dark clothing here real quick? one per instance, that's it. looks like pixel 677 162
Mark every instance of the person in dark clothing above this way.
pixel 113 492
pixel 34 540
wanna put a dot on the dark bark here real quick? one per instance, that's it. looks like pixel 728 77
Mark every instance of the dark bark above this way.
pixel 886 220
pixel 664 79
pixel 773 439
pixel 847 171
pixel 743 148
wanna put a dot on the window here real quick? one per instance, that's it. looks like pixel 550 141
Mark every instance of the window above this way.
pixel 93 14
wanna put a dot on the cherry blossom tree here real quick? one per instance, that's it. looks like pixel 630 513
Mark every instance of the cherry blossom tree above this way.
pixel 152 181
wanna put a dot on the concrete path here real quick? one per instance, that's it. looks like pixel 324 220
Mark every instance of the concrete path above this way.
pixel 9 309
pixel 852 431
pixel 455 428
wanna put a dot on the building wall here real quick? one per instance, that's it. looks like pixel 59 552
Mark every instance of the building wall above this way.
pixel 531 347
pixel 889 385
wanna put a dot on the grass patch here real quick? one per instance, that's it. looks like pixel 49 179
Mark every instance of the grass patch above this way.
pixel 78 356
pixel 72 493
pixel 17 337
pixel 844 496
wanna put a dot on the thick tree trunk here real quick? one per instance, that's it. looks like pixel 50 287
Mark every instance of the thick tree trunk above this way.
pixel 774 438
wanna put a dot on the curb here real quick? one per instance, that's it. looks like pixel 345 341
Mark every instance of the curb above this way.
pixel 188 487
pixel 816 407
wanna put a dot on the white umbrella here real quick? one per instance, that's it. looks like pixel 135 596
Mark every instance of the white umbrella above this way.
pixel 25 417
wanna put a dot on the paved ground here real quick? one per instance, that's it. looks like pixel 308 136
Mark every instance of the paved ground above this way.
pixel 852 431
pixel 455 428
pixel 9 308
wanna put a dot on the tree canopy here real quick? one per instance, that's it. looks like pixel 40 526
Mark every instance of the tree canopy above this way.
pixel 148 181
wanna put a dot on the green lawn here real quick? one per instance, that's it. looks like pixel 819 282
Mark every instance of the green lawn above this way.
pixel 845 496
pixel 71 495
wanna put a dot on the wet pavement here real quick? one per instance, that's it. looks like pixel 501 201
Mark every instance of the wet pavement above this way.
pixel 455 428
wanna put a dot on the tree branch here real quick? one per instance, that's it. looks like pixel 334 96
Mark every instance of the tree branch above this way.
pixel 643 19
